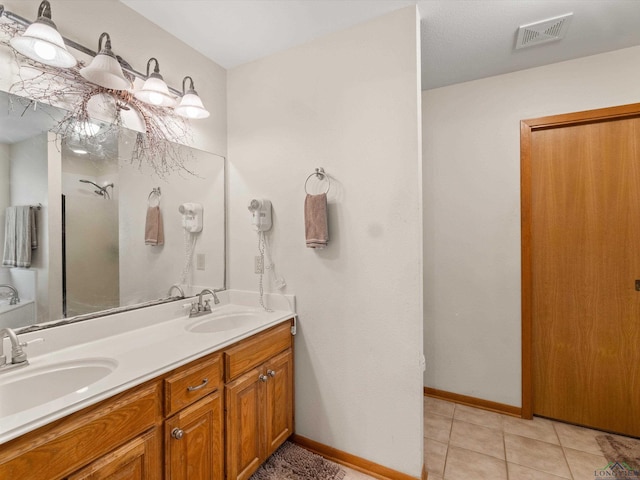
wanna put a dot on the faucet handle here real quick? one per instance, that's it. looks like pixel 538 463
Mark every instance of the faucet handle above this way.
pixel 31 342
pixel 18 355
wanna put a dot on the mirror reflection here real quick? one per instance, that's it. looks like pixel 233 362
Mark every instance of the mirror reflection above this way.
pixel 84 231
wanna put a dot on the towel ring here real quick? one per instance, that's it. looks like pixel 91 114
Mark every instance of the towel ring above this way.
pixel 319 173
pixel 155 193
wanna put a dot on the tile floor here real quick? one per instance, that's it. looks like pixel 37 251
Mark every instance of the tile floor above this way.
pixel 465 443
pixel 355 475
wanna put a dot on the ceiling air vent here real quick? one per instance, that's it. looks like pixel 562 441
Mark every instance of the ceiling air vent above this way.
pixel 544 31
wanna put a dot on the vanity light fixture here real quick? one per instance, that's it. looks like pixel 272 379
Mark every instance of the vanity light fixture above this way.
pixel 155 91
pixel 190 104
pixel 105 70
pixel 106 75
pixel 42 42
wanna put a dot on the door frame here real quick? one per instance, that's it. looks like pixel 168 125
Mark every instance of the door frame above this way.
pixel 527 128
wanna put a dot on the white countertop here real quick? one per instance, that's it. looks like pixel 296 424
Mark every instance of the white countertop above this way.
pixel 143 344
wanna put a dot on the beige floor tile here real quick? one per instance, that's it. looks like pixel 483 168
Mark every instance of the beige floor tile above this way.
pixel 538 428
pixel 479 417
pixel 475 443
pixel 437 428
pixel 477 438
pixel 537 455
pixel 355 475
pixel 438 407
pixel 584 465
pixel 465 465
pixel 518 472
pixel 578 438
pixel 435 454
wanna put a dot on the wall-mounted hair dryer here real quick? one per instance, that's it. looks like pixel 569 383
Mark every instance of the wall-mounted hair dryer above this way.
pixel 260 214
pixel 191 217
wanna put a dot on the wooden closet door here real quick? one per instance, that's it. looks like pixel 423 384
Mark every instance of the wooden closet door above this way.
pixel 585 249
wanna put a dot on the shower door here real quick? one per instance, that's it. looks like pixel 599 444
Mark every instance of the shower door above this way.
pixel 91 254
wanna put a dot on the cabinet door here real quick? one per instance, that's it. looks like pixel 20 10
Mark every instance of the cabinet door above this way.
pixel 279 400
pixel 193 441
pixel 138 459
pixel 245 425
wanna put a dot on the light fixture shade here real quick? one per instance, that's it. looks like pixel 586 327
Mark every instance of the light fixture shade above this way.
pixel 191 106
pixel 42 42
pixel 155 92
pixel 105 70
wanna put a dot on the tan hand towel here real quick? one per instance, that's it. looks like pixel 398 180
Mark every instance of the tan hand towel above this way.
pixel 153 229
pixel 316 227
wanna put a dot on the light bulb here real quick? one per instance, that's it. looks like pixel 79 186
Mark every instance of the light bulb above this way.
pixel 190 112
pixel 155 98
pixel 44 50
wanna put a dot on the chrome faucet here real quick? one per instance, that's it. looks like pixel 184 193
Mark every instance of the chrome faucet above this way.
pixel 14 299
pixel 175 286
pixel 18 357
pixel 204 308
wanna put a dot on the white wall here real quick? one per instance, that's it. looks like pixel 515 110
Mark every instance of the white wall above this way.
pixel 54 219
pixel 147 272
pixel 348 102
pixel 471 134
pixel 5 200
pixel 28 178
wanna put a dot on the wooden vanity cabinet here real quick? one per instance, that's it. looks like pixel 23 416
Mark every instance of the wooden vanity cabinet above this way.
pixel 279 400
pixel 173 427
pixel 258 399
pixel 193 434
pixel 114 439
pixel 138 459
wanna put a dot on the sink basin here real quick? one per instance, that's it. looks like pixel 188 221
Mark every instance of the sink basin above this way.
pixel 223 323
pixel 22 388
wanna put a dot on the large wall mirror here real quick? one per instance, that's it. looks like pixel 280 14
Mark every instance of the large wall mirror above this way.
pixel 92 248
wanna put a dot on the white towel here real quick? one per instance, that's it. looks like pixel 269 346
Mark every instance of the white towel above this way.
pixel 20 237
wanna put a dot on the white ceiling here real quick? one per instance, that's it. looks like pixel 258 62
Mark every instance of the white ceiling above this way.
pixel 461 39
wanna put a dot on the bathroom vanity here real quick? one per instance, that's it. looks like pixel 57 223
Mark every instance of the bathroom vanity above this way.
pixel 219 414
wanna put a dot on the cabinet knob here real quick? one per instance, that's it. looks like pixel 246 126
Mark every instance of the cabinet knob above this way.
pixel 263 378
pixel 177 433
pixel 271 373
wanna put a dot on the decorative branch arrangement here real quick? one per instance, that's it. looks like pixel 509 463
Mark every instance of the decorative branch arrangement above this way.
pixel 157 147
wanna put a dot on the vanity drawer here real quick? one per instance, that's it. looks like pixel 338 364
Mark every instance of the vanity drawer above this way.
pixel 255 350
pixel 192 382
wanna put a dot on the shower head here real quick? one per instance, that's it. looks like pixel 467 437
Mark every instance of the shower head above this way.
pixel 102 191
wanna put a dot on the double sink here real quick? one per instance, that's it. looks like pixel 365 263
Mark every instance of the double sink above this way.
pixel 48 385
